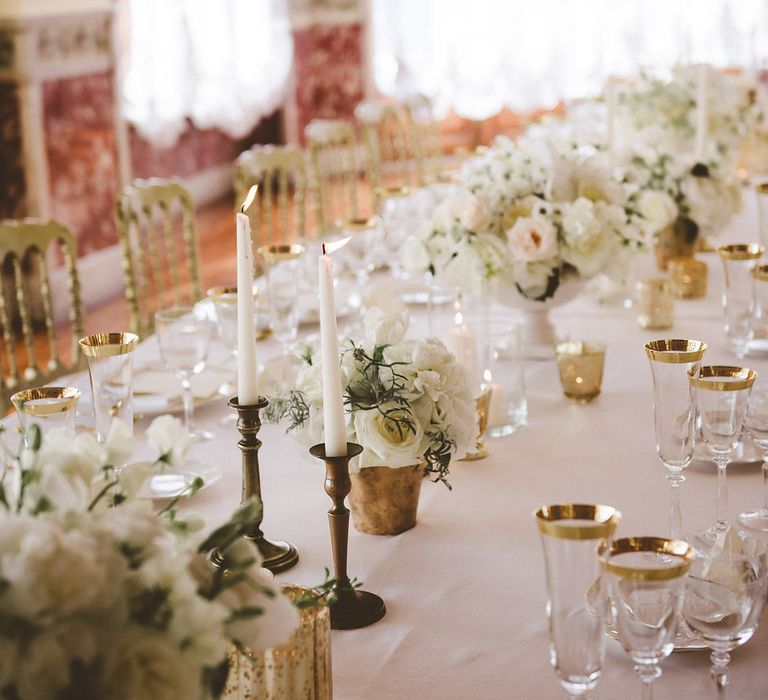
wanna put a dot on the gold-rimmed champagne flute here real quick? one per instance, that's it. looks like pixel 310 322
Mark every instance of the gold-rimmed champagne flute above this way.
pixel 739 293
pixel 674 415
pixel 643 580
pixel 721 395
pixel 570 534
pixel 359 255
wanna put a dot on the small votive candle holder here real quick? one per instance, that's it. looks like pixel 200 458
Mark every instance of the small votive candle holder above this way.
pixel 580 364
pixel 655 304
pixel 688 278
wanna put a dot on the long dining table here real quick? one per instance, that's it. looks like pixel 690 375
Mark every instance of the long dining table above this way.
pixel 465 589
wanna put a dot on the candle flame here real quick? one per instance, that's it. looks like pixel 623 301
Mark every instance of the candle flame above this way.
pixel 249 199
pixel 487 376
pixel 329 248
pixel 458 319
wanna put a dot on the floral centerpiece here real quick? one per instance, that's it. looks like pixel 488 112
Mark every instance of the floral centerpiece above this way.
pixel 406 402
pixel 663 111
pixel 526 216
pixel 683 198
pixel 100 597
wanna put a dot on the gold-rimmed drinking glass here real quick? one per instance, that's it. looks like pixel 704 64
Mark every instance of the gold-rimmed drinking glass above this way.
pixel 761 191
pixel 739 295
pixel 396 211
pixel 110 367
pixel 674 415
pixel 643 581
pixel 50 407
pixel 721 394
pixel 724 597
pixel 570 534
pixel 759 341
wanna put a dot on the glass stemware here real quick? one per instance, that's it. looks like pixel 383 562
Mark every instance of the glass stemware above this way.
pixel 674 416
pixel 284 275
pixel 756 424
pixel 739 294
pixel 643 581
pixel 570 534
pixel 359 254
pixel 724 597
pixel 184 337
pixel 721 396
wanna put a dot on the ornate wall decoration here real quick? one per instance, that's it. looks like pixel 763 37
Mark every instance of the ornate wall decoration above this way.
pixel 82 156
pixel 12 186
pixel 329 71
pixel 67 40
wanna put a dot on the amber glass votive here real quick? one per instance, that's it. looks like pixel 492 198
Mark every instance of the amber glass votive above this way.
pixel 655 304
pixel 688 278
pixel 581 369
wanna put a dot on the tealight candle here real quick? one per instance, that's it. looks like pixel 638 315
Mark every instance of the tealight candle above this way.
pixel 655 304
pixel 581 369
pixel 497 408
pixel 688 277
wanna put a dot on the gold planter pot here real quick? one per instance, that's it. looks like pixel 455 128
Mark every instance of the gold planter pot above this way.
pixel 671 242
pixel 300 668
pixel 384 500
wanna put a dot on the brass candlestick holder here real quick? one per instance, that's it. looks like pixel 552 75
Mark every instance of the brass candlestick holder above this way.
pixel 353 608
pixel 276 556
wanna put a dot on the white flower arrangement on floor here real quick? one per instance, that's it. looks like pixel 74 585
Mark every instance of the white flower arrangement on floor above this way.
pixel 406 401
pixel 101 597
pixel 526 216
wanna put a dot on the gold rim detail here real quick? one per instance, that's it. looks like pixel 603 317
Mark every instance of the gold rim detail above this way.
pixel 281 253
pixel 108 344
pixel 67 396
pixel 549 519
pixel 657 545
pixel 740 251
pixel 675 350
pixel 706 378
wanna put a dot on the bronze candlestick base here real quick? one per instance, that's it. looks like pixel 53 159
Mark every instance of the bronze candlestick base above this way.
pixel 352 609
pixel 276 556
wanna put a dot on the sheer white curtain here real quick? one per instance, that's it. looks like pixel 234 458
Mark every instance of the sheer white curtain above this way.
pixel 476 56
pixel 221 63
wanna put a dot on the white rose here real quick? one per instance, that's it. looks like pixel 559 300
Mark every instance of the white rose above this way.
pixel 657 208
pixel 382 328
pixel 168 436
pixel 119 443
pixel 270 629
pixel 142 663
pixel 56 572
pixel 532 239
pixel 415 256
pixel 387 438
pixel 470 210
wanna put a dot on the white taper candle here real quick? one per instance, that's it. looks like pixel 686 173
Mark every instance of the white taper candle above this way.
pixel 247 379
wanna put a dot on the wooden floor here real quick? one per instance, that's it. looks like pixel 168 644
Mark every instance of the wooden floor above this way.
pixel 216 235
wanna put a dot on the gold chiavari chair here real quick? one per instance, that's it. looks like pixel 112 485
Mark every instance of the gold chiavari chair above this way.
pixel 33 358
pixel 335 170
pixel 425 136
pixel 278 214
pixel 390 155
pixel 158 239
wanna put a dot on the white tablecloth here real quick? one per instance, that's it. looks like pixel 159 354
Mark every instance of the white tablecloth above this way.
pixel 465 589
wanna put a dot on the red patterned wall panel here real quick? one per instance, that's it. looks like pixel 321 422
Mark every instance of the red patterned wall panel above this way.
pixel 12 186
pixel 329 71
pixel 78 116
